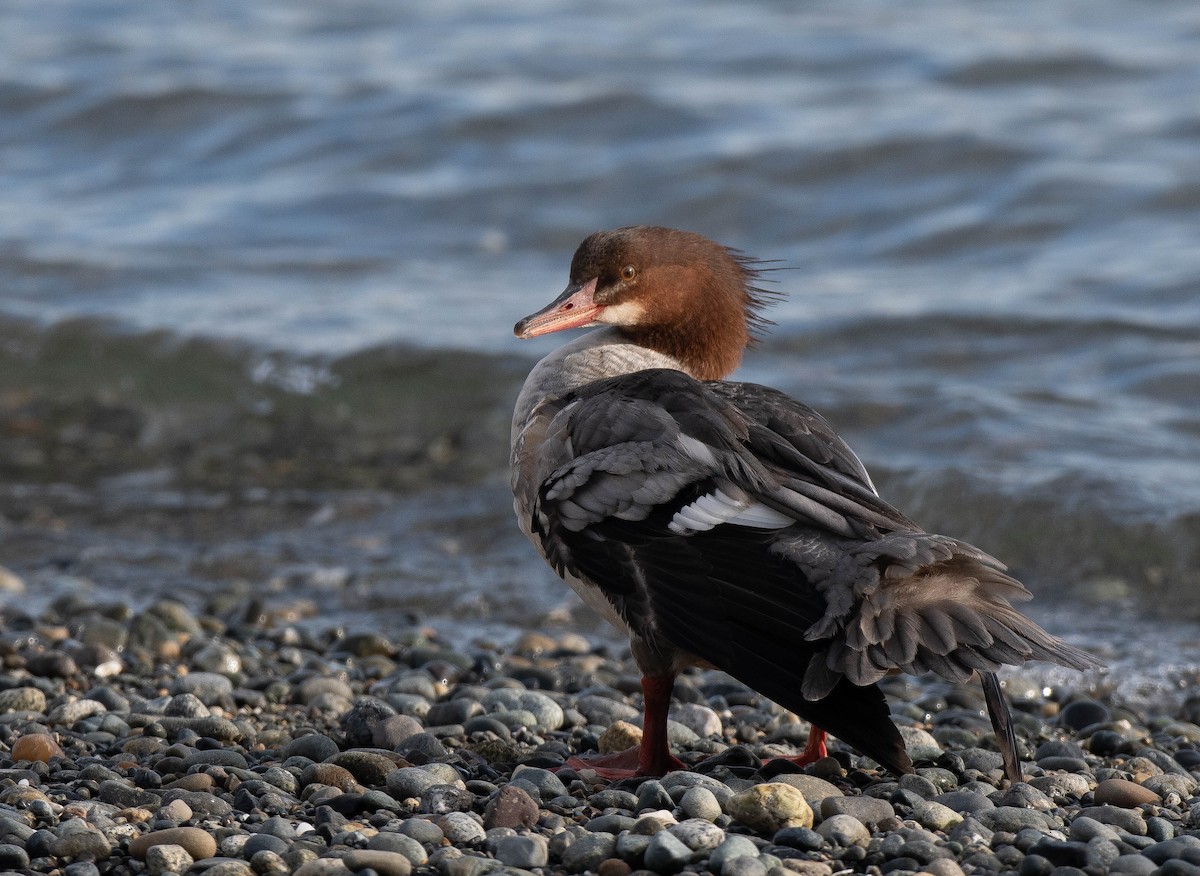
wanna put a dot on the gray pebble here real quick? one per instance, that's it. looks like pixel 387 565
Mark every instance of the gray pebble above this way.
pixel 666 853
pixel 587 851
pixel 547 714
pixel 441 799
pixel 964 802
pixel 13 857
pixel 744 866
pixel 868 810
pixel 1133 865
pixel 1128 820
pixel 547 785
pixel 522 852
pixel 700 803
pixel 1012 819
pixel 388 841
pixel 731 847
pixel 844 830
pixel 461 829
pixel 423 831
pixel 393 730
pixel 697 833
pixel 209 687
pixel 261 841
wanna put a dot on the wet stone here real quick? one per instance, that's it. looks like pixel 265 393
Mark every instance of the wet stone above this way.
pixel 382 862
pixel 511 807
pixel 22 699
pixel 868 810
pixel 1083 713
pixel 208 687
pixel 844 830
pixel 699 803
pixel 666 853
pixel 522 852
pixel 167 858
pixel 13 857
pixel 587 851
pixel 403 844
pixel 460 828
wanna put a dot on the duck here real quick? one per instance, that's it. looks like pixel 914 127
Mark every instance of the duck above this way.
pixel 725 525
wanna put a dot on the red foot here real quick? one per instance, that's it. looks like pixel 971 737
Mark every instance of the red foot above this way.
pixel 625 764
pixel 814 749
pixel 653 757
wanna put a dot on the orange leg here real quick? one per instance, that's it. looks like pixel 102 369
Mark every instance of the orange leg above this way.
pixel 814 749
pixel 653 757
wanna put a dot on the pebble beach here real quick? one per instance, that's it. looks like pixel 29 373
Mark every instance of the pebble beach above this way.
pixel 230 742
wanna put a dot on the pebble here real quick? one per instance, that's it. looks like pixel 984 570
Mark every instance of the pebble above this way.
pixel 522 852
pixel 386 757
pixel 1124 793
pixel 195 841
pixel 384 863
pixel 771 806
pixel 666 853
pixel 167 858
pixel 587 851
pixel 868 810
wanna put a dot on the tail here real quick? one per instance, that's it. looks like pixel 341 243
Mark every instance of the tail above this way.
pixel 1002 724
pixel 953 616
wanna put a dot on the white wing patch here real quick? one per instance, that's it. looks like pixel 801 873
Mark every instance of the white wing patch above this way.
pixel 717 507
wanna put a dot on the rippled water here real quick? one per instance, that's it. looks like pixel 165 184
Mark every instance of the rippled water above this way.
pixel 989 213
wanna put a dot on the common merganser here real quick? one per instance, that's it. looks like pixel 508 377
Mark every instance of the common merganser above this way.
pixel 727 525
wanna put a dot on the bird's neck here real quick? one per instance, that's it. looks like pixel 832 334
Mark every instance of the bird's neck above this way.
pixel 605 352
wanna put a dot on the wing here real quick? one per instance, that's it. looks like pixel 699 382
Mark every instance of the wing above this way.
pixel 731 522
pixel 666 508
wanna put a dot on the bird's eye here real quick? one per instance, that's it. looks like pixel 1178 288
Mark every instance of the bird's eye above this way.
pixel 628 272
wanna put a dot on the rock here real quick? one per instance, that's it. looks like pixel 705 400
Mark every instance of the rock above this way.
pixel 732 847
pixel 935 816
pixel 701 720
pixel 195 841
pixel 1061 785
pixel 407 782
pixel 771 806
pixel 22 699
pixel 964 802
pixel 700 803
pixel 814 789
pixel 620 736
pixel 1012 819
pixel 314 746
pixel 461 829
pixel 1130 821
pixel 522 852
pixel 1083 713
pixel 167 858
pixel 83 843
pixel 383 863
pixel 587 851
pixel 745 867
pixel 511 807
pixel 868 810
pixel 697 834
pixel 844 830
pixel 35 747
pixel 666 853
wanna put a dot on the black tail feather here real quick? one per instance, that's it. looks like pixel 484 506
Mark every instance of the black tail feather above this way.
pixel 1002 723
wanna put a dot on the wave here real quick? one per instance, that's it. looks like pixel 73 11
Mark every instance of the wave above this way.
pixel 87 404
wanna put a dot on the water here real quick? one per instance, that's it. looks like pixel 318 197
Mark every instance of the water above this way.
pixel 988 212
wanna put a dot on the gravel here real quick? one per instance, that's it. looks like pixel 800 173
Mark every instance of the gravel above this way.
pixel 177 741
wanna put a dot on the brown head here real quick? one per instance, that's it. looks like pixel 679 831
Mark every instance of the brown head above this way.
pixel 671 291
